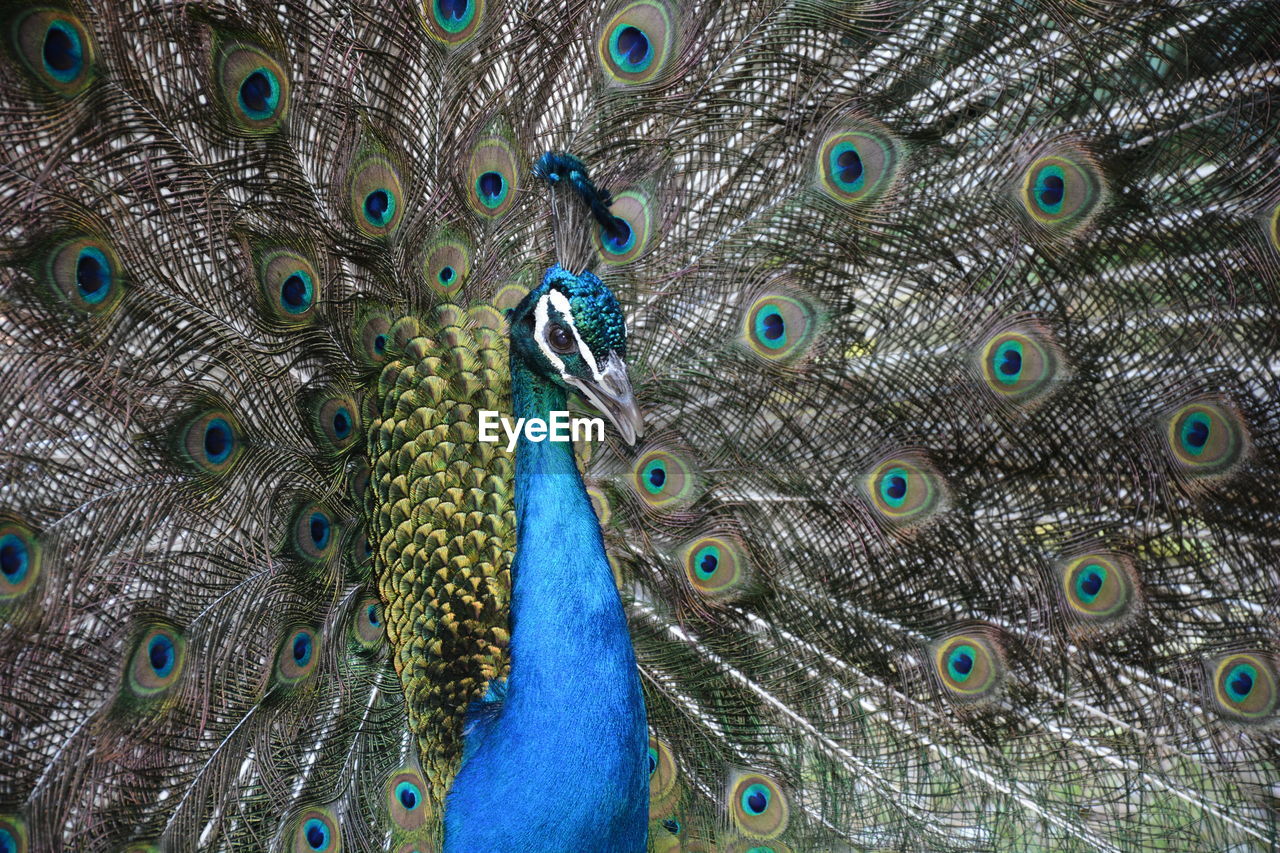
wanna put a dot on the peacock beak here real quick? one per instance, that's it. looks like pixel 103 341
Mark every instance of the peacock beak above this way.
pixel 611 394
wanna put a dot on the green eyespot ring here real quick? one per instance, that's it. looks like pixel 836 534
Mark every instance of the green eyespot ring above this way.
pixel 664 479
pixel 968 665
pixel 55 47
pixel 635 43
pixel 757 806
pixel 1205 439
pixel 858 166
pixel 1244 686
pixel 453 22
pixel 905 490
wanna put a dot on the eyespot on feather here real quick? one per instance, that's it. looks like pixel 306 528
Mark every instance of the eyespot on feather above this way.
pixel 717 566
pixel 1205 439
pixel 406 799
pixel 13 834
pixel 377 200
pixel 453 22
pixel 1020 364
pixel 335 420
pixel 84 273
pixel 209 442
pixel 858 164
pixel 628 239
pixel 664 479
pixel 56 48
pixel 298 655
pixel 372 336
pixel 20 556
pixel 1244 686
pixel 757 807
pixel 637 42
pixel 905 490
pixel 779 327
pixel 314 533
pixel 664 779
pixel 254 87
pixel 367 626
pixel 969 666
pixel 316 830
pixel 493 174
pixel 157 661
pixel 290 285
pixel 1097 588
pixel 446 263
pixel 1061 191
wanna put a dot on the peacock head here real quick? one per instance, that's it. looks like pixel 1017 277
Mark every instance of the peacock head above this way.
pixel 570 330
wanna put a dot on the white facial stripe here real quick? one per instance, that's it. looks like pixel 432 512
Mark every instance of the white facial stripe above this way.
pixel 542 318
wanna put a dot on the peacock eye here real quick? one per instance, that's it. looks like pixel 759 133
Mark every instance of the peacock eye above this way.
pixel 560 339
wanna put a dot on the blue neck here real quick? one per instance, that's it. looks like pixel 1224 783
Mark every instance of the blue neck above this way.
pixel 564 762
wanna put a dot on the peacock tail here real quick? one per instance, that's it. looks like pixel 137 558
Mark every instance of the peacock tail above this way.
pixel 954 324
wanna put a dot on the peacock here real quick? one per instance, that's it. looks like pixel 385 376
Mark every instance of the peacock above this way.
pixel 933 345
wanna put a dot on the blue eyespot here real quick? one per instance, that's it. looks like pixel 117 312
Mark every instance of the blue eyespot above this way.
pixel 160 653
pixel 1240 681
pixel 1008 362
pixel 341 424
pixel 8 844
pixel 302 648
pixel 619 238
pixel 379 207
pixel 755 799
pixel 93 275
pixel 672 826
pixel 453 15
pixel 259 94
pixel 296 292
pixel 63 53
pixel 408 795
pixel 1050 188
pixel 317 834
pixel 375 618
pixel 846 167
pixel 320 530
pixel 1089 582
pixel 446 275
pixel 655 475
pixel 960 662
pixel 491 187
pixel 708 562
pixel 653 761
pixel 15 558
pixel 631 48
pixel 1195 433
pixel 771 328
pixel 893 487
pixel 219 440
pixel 380 344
